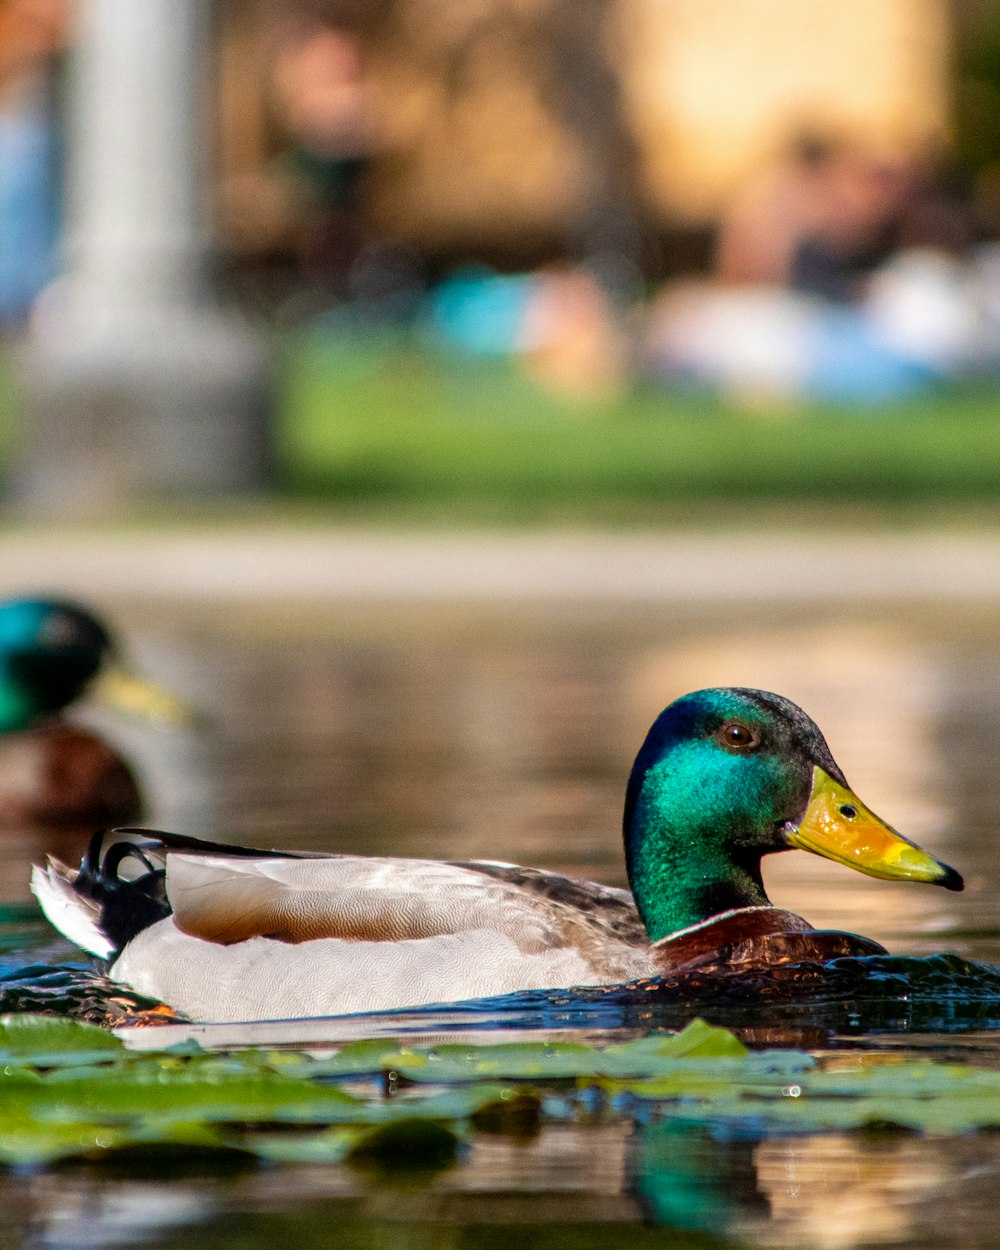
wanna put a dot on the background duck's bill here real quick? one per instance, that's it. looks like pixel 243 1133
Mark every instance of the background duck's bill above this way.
pixel 838 826
pixel 124 690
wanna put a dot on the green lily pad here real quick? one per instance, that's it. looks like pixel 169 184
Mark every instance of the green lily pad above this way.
pixel 71 1091
pixel 702 1041
pixel 26 1142
pixel 171 1089
pixel 538 1060
pixel 46 1041
pixel 489 1108
pixel 919 1095
pixel 449 1104
pixel 362 1058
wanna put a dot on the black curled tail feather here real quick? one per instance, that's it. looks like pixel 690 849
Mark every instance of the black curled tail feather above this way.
pixel 123 873
pixel 127 904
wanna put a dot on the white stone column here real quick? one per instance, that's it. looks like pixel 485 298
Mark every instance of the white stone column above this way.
pixel 137 384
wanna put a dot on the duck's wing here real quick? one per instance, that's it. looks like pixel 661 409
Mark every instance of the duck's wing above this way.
pixel 226 900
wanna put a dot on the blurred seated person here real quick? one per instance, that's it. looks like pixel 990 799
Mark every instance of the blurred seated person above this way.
pixel 321 100
pixel 818 222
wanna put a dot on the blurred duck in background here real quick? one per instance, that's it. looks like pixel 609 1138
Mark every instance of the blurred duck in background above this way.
pixel 53 773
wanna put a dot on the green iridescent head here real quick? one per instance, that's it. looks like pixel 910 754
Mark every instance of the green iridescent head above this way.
pixel 50 651
pixel 727 776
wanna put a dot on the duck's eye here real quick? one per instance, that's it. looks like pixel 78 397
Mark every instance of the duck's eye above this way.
pixel 736 736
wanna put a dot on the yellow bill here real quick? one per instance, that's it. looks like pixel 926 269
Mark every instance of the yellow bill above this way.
pixel 838 826
pixel 123 690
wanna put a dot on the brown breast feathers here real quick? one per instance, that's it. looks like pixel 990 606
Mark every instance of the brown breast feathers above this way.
pixel 756 937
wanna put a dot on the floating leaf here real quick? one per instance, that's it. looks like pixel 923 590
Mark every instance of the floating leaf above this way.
pixel 237 1100
pixel 921 1078
pixel 538 1060
pixel 174 1090
pixel 920 1095
pixel 524 1060
pixel 70 1091
pixel 46 1041
pixel 703 1041
pixel 450 1104
pixel 655 1056
pixel 361 1058
pixel 25 1141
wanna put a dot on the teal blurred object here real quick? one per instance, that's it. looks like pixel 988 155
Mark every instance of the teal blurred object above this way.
pixel 50 651
pixel 480 312
pixel 688 1179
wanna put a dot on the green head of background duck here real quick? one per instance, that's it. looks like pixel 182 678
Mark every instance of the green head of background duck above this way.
pixel 52 652
pixel 725 777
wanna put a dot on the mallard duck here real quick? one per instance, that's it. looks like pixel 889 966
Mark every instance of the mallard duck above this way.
pixel 723 778
pixel 54 774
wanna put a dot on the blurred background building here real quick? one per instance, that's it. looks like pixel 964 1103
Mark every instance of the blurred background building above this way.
pixel 499 127
pixel 522 131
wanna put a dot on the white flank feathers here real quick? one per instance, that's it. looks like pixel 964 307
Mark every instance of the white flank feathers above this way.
pixel 261 979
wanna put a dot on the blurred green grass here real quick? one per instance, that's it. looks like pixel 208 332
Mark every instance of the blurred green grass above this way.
pixel 371 427
pixel 362 421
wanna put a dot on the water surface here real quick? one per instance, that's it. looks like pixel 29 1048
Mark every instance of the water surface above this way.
pixel 507 732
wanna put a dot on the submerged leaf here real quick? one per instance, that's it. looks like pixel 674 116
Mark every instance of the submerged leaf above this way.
pixel 325 1146
pixel 512 1115
pixel 406 1146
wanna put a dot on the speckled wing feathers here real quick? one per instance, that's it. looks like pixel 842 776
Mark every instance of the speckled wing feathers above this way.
pixel 225 900
pixel 608 910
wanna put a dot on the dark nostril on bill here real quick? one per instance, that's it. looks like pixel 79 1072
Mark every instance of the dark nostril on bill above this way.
pixel 847 811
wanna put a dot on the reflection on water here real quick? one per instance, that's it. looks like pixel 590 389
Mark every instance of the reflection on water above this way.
pixel 579 1187
pixel 509 734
